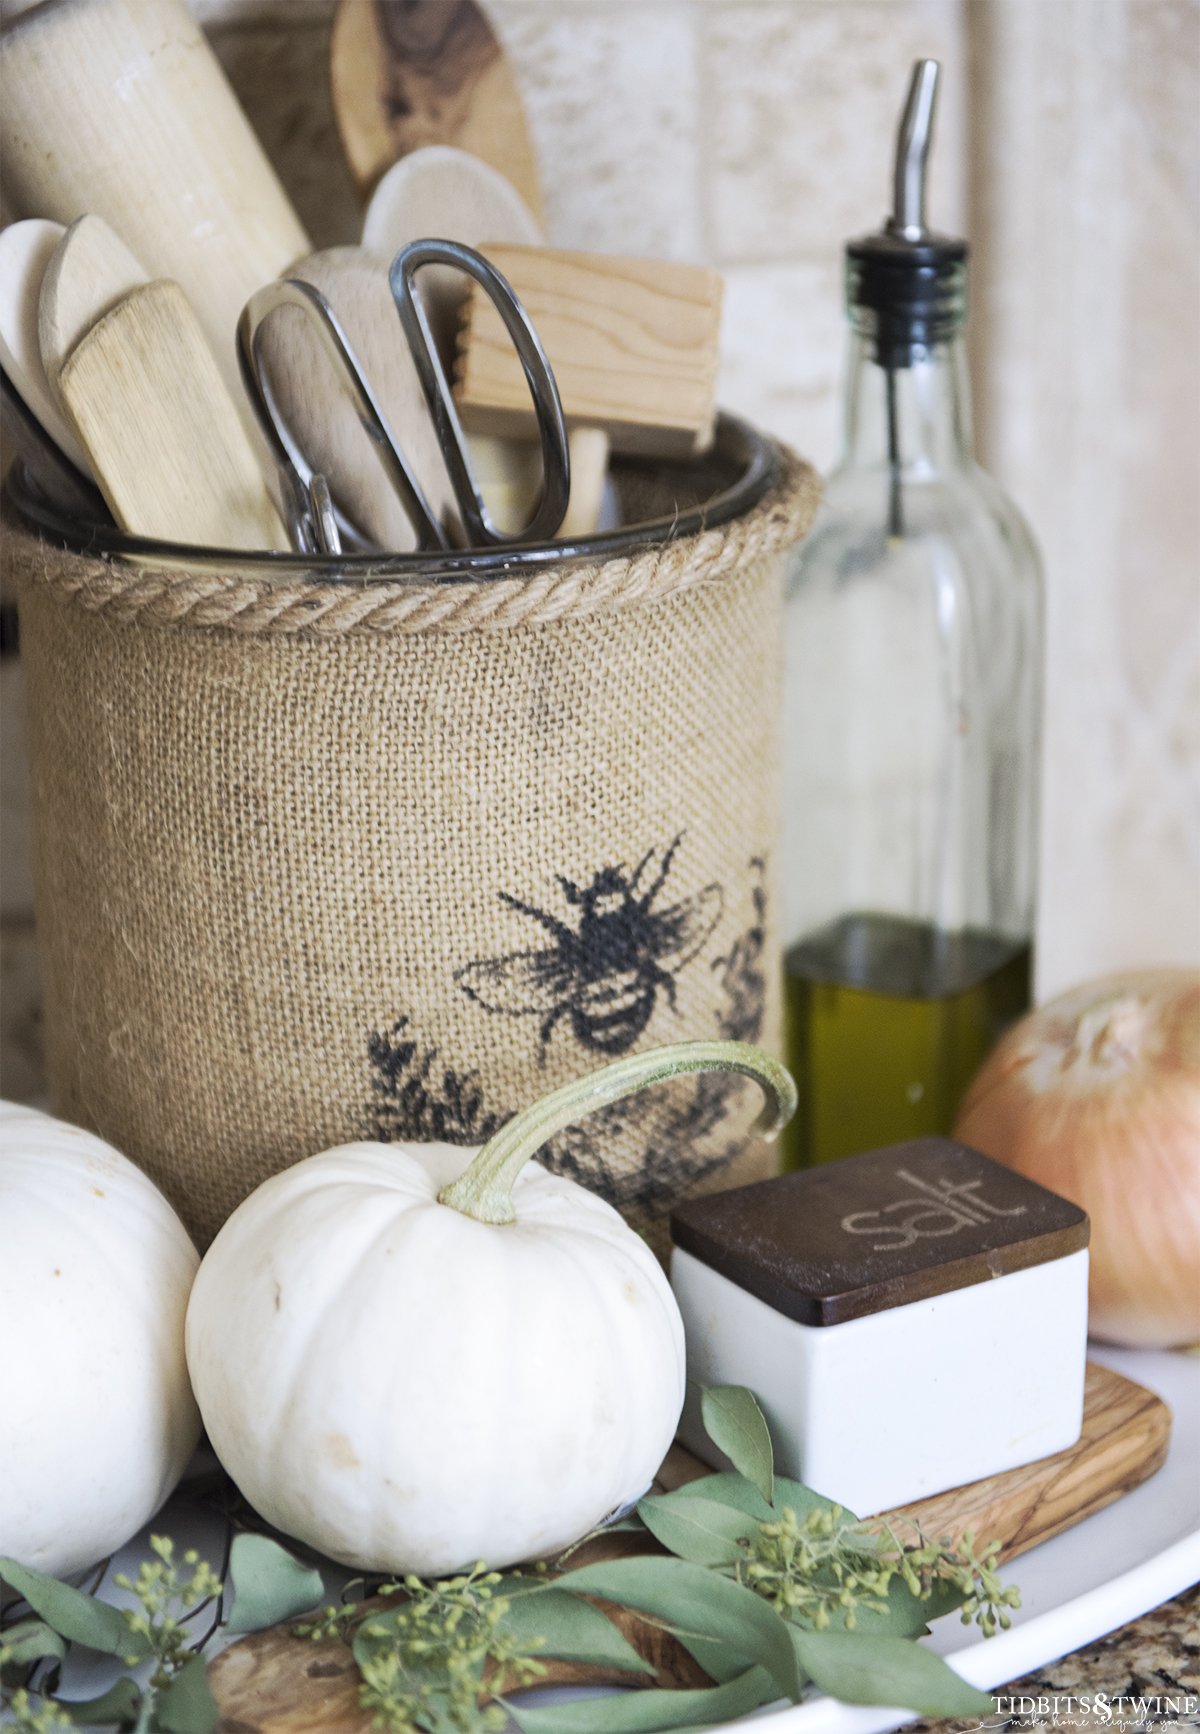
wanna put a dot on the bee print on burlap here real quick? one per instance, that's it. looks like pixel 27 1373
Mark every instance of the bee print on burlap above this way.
pixel 605 961
pixel 642 1153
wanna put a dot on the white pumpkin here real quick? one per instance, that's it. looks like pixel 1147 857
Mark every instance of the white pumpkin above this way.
pixel 97 1419
pixel 413 1368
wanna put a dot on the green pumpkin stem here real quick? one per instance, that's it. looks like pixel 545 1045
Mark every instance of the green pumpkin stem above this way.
pixel 485 1190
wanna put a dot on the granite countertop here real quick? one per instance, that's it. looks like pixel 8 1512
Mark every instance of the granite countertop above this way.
pixel 1156 1657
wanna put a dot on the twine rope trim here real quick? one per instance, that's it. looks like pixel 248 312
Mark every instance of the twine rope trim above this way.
pixel 242 603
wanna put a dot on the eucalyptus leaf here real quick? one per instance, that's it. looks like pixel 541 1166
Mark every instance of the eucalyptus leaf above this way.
pixel 377 1633
pixel 119 1704
pixel 906 1616
pixel 374 1634
pixel 571 1630
pixel 30 1641
pixel 79 1618
pixel 702 1530
pixel 699 1603
pixel 269 1584
pixel 803 1499
pixel 186 1704
pixel 736 1425
pixel 719 1662
pixel 647 1711
pixel 859 1669
pixel 727 1488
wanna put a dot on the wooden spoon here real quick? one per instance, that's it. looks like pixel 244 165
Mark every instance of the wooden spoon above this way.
pixel 164 438
pixel 26 250
pixel 409 73
pixel 450 193
pixel 90 270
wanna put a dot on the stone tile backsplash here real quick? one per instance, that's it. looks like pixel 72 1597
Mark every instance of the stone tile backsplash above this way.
pixel 756 135
pixel 801 119
pixel 615 111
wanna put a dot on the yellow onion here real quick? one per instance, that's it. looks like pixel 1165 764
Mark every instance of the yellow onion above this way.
pixel 1097 1096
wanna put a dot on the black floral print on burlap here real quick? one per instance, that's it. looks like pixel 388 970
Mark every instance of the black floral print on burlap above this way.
pixel 416 1100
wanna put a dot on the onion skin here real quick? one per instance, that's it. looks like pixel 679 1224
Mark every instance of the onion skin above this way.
pixel 1096 1095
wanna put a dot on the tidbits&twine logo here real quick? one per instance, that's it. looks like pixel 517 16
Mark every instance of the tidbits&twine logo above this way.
pixel 1114 1712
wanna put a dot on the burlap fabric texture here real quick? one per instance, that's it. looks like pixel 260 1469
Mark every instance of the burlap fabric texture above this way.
pixel 316 864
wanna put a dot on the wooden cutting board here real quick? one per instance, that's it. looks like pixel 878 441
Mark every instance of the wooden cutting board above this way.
pixel 274 1683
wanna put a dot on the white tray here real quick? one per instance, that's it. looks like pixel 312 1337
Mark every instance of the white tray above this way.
pixel 1116 1565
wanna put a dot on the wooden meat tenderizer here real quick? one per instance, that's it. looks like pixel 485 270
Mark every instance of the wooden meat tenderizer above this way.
pixel 634 344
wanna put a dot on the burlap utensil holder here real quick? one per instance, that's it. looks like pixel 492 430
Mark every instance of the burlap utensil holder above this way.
pixel 319 861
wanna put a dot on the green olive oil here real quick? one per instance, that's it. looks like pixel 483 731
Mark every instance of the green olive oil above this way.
pixel 888 1021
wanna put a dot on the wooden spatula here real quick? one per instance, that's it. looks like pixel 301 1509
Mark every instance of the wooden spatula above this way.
pixel 428 73
pixel 90 270
pixel 165 442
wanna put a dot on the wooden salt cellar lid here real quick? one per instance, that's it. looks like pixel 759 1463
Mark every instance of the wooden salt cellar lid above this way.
pixel 870 1232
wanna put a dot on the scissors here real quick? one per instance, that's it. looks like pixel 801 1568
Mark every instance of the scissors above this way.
pixel 317 524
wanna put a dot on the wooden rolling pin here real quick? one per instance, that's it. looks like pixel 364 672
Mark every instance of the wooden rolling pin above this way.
pixel 119 108
pixel 634 344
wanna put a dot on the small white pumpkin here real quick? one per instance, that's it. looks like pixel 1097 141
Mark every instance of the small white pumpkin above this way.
pixel 97 1419
pixel 413 1368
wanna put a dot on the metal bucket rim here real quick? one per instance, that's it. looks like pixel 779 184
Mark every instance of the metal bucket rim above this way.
pixel 756 456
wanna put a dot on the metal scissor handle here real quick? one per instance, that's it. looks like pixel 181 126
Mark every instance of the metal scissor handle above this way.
pixel 547 405
pixel 296 471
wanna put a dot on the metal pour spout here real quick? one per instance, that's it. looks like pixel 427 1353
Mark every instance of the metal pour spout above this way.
pixel 907 220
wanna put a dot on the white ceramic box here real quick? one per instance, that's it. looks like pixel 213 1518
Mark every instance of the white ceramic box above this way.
pixel 909 1320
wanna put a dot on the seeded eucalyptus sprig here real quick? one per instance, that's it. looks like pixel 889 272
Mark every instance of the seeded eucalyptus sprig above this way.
pixel 817 1565
pixel 34 1715
pixel 423 1664
pixel 827 1564
pixel 930 1567
pixel 170 1693
pixel 151 1635
pixel 164 1594
pixel 770 1587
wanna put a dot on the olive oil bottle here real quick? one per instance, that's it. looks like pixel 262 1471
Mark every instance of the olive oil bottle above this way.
pixel 912 648
pixel 925 1005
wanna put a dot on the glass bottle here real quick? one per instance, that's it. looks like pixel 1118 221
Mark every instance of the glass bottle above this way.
pixel 911 716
